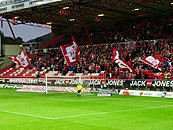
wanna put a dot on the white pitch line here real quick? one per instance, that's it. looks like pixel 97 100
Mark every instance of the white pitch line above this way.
pixel 102 113
pixel 82 115
pixel 24 114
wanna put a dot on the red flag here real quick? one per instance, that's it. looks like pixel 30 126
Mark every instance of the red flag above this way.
pixel 124 65
pixel 21 59
pixel 70 52
pixel 115 54
pixel 121 63
pixel 152 61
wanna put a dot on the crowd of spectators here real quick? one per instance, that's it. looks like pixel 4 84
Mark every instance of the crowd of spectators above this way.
pixel 98 58
pixel 133 40
pixel 139 29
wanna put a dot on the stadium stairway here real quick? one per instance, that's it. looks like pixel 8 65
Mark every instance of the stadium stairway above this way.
pixel 19 72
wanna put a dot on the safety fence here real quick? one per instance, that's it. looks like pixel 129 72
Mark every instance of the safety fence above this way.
pixel 151 84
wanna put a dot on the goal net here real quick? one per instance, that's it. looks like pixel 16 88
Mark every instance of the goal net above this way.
pixel 67 83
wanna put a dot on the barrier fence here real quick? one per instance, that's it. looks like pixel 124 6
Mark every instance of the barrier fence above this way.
pixel 96 83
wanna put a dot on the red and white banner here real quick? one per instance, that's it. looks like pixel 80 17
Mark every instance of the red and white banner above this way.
pixel 21 59
pixel 152 61
pixel 115 54
pixel 124 65
pixel 121 63
pixel 70 52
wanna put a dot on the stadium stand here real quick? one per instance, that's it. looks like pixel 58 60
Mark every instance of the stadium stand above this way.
pixel 135 38
pixel 98 63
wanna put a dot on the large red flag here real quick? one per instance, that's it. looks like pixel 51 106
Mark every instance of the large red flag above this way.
pixel 153 61
pixel 121 63
pixel 70 52
pixel 21 59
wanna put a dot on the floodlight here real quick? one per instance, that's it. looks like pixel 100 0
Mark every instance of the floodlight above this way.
pixel 71 19
pixel 136 9
pixel 100 15
pixel 66 7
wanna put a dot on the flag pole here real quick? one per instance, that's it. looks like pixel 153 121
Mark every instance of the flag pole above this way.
pixel 14 37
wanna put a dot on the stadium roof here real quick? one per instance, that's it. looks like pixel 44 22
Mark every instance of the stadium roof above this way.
pixel 72 13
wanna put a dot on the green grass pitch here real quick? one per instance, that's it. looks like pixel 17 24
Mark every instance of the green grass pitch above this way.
pixel 64 111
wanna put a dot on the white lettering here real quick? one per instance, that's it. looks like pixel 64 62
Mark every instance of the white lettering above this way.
pixel 137 83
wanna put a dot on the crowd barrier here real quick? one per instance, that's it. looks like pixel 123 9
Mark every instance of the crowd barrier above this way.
pixel 112 83
pixel 99 91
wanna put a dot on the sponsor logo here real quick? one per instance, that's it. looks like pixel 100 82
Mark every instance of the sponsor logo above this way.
pixel 147 93
pixel 2 80
pixel 149 83
pixel 137 83
pixel 102 95
pixel 115 82
pixel 111 91
pixel 141 93
pixel 64 81
pixel 163 84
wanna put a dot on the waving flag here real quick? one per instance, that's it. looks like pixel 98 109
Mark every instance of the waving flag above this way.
pixel 121 63
pixel 124 65
pixel 21 59
pixel 70 52
pixel 152 61
pixel 115 54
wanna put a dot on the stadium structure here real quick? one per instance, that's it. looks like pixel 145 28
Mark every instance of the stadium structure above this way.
pixel 118 53
pixel 65 14
pixel 140 30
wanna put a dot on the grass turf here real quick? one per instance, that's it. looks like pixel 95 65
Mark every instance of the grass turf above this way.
pixel 57 111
